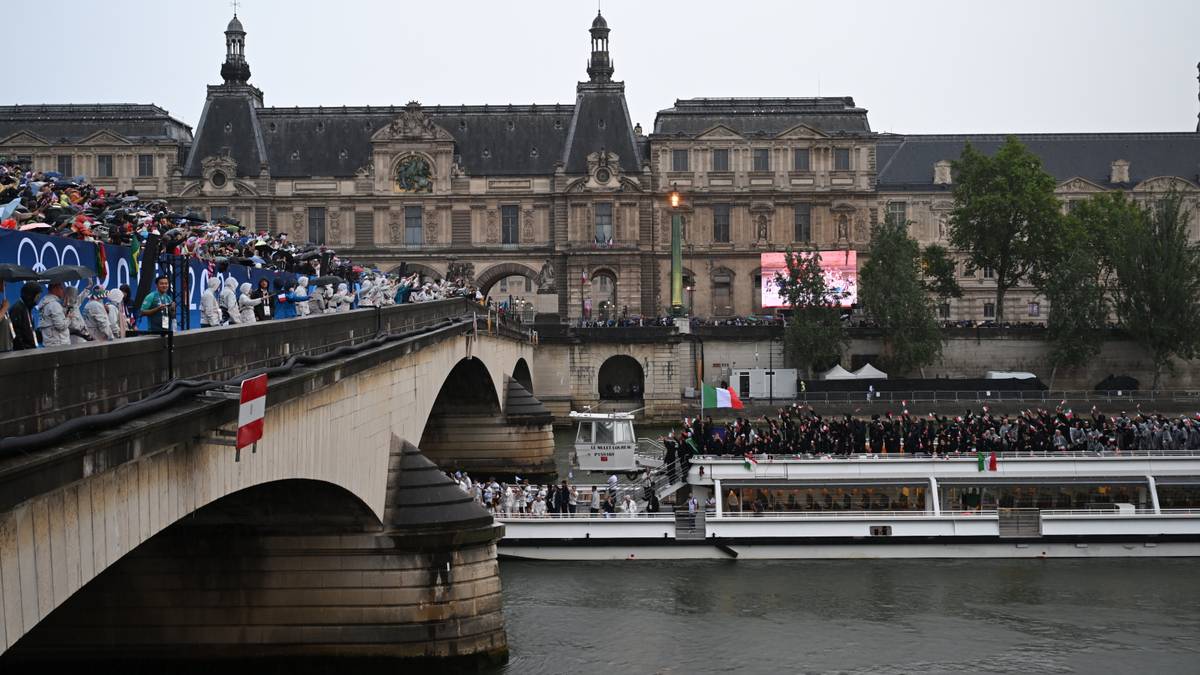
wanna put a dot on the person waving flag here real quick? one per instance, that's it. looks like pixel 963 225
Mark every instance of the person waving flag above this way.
pixel 720 398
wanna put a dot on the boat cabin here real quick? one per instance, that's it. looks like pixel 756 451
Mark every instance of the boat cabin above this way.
pixel 605 441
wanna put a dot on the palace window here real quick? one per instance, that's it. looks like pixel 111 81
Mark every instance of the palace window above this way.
pixel 803 222
pixel 316 224
pixel 720 160
pixel 679 160
pixel 1035 309
pixel 66 166
pixel 145 165
pixel 720 223
pixel 841 159
pixel 989 273
pixel 897 212
pixel 604 224
pixel 414 233
pixel 944 310
pixel 104 166
pixel 509 224
pixel 989 310
pixel 801 160
pixel 722 292
pixel 216 212
pixel 762 159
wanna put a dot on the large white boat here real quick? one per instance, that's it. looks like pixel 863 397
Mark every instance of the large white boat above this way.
pixel 1130 504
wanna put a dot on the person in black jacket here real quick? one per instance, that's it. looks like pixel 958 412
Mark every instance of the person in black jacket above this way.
pixel 266 309
pixel 21 315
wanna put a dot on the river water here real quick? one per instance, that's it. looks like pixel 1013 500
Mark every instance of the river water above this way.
pixel 853 616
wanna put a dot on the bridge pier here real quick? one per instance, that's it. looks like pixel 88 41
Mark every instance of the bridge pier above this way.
pixel 258 580
pixel 484 443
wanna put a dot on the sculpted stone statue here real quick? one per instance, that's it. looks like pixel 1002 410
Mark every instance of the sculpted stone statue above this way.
pixel 545 278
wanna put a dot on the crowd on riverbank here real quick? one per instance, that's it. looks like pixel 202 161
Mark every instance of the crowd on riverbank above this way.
pixel 799 430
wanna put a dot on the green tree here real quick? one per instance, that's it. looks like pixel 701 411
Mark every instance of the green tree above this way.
pixel 1072 281
pixel 939 269
pixel 893 290
pixel 815 337
pixel 1156 273
pixel 1004 212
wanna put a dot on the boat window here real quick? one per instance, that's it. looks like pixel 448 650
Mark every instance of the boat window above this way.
pixel 990 496
pixel 1179 496
pixel 623 432
pixel 827 498
pixel 604 431
pixel 585 433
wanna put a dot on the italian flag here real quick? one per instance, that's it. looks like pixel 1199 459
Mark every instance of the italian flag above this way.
pixel 749 462
pixel 720 398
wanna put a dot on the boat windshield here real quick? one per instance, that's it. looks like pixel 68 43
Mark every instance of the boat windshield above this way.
pixel 585 433
pixel 610 431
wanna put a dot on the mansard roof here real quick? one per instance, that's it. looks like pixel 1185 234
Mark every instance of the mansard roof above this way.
pixel 762 116
pixel 72 123
pixel 906 161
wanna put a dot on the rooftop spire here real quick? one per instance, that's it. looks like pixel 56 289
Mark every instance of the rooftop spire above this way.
pixel 235 70
pixel 600 67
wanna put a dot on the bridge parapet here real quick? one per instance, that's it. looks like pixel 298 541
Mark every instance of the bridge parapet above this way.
pixel 60 383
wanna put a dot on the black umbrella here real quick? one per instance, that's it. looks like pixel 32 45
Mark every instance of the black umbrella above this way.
pixel 11 272
pixel 66 273
pixel 327 280
pixel 309 255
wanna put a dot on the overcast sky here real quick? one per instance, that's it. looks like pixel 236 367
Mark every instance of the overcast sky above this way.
pixel 918 67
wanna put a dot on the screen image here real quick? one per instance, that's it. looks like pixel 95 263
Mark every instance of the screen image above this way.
pixel 841 275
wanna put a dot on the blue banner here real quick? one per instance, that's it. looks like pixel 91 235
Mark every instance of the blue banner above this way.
pixel 41 252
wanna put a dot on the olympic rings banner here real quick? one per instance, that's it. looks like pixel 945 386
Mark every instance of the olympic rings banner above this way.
pixel 41 252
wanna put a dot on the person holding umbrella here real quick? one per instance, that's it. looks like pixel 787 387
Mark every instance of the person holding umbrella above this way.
pixel 159 306
pixel 8 333
pixel 21 316
pixel 56 330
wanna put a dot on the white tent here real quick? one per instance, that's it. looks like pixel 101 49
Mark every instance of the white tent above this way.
pixel 837 373
pixel 869 372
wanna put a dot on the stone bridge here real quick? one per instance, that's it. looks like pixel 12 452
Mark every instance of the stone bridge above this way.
pixel 334 538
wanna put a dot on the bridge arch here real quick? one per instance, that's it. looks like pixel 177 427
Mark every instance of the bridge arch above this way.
pixel 521 374
pixel 489 277
pixel 621 378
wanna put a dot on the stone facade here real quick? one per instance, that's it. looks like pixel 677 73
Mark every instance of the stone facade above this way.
pixel 575 188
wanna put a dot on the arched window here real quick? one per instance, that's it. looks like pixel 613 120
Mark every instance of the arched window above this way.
pixel 601 302
pixel 722 292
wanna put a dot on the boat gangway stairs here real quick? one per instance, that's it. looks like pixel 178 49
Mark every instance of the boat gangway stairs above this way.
pixel 1020 523
pixel 688 524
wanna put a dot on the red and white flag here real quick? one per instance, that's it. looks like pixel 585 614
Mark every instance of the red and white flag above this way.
pixel 253 407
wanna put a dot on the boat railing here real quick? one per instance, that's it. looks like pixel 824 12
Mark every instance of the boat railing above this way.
pixel 856 515
pixel 1109 513
pixel 911 456
pixel 587 515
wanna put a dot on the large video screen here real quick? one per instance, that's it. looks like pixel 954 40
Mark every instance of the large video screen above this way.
pixel 841 275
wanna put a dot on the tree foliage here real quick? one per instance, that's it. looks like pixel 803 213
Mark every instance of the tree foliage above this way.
pixel 815 337
pixel 1005 211
pixel 894 292
pixel 939 268
pixel 1072 281
pixel 1155 272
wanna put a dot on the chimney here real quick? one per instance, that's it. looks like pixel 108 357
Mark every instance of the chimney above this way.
pixel 941 172
pixel 1120 172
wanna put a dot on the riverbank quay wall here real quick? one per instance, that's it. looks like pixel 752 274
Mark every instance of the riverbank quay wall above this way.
pixel 567 376
pixel 73 510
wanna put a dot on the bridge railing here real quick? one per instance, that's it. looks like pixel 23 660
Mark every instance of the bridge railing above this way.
pixel 47 387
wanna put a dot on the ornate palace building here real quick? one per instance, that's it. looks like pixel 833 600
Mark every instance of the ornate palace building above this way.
pixel 566 203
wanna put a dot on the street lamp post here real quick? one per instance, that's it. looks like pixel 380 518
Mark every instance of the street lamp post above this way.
pixel 674 200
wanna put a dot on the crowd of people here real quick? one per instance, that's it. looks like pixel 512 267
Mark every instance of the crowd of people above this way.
pixel 521 498
pixel 799 430
pixel 47 203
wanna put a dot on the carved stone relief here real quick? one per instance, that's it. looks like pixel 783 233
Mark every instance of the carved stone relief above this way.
pixel 527 235
pixel 493 227
pixel 335 226
pixel 430 218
